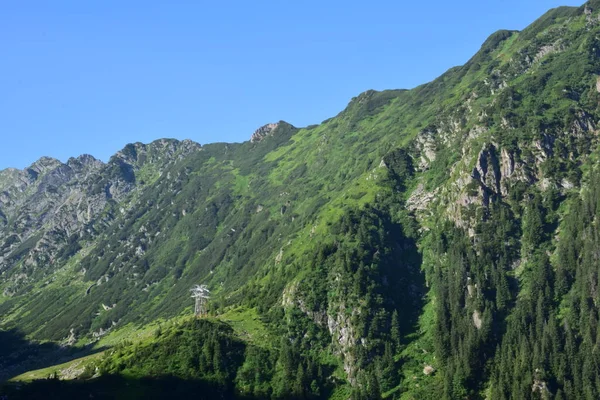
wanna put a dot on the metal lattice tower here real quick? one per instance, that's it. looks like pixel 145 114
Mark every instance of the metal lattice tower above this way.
pixel 201 294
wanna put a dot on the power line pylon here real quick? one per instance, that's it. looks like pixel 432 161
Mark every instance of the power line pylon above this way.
pixel 201 294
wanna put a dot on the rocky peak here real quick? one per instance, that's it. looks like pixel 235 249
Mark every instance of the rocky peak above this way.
pixel 137 154
pixel 590 7
pixel 44 165
pixel 263 132
pixel 170 150
pixel 86 159
pixel 84 162
pixel 171 145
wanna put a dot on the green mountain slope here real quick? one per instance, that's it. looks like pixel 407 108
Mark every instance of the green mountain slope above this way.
pixel 431 242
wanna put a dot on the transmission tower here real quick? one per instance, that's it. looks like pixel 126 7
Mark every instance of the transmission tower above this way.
pixel 201 294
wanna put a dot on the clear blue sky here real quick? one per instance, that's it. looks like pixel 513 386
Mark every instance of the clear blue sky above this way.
pixel 91 76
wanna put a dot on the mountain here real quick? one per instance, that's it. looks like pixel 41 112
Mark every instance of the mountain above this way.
pixel 425 243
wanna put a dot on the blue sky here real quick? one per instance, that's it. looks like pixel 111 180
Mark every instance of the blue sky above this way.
pixel 91 76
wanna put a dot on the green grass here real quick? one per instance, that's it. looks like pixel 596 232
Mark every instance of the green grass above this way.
pixel 59 370
pixel 248 326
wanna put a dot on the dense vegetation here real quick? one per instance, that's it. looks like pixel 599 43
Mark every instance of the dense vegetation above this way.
pixel 435 243
pixel 209 351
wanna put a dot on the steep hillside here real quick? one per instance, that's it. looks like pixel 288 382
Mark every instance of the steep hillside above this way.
pixel 439 241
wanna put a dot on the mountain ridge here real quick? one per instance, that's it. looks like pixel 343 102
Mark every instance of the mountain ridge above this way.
pixel 424 243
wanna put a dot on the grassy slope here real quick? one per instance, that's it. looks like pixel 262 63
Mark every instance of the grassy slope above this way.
pixel 315 175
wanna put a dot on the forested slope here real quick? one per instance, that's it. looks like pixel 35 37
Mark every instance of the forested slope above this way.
pixel 439 241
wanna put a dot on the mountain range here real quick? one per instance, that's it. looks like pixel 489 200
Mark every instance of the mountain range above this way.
pixel 438 242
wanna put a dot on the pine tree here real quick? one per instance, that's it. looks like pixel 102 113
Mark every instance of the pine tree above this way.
pixel 395 331
pixel 387 369
pixel 300 383
pixel 373 388
pixel 533 225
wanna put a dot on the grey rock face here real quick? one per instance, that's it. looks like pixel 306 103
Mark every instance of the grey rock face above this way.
pixel 44 205
pixel 263 132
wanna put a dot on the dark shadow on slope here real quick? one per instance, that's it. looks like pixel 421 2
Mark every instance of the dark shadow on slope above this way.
pixel 115 387
pixel 19 355
pixel 408 279
pixel 412 286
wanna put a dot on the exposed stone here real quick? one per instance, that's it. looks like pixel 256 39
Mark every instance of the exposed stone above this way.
pixel 548 49
pixel 540 386
pixel 263 132
pixel 544 148
pixel 582 125
pixel 428 370
pixel 419 199
pixel 426 146
pixel 50 201
pixel 546 184
pixel 476 131
pixel 487 170
pixel 344 336
pixel 470 290
pixel 486 176
pixel 477 321
pixel 507 163
pixel 565 183
pixel 71 339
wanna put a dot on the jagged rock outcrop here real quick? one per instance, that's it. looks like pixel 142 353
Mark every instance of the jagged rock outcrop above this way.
pixel 263 132
pixel 487 173
pixel 339 324
pixel 42 206
pixel 426 148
